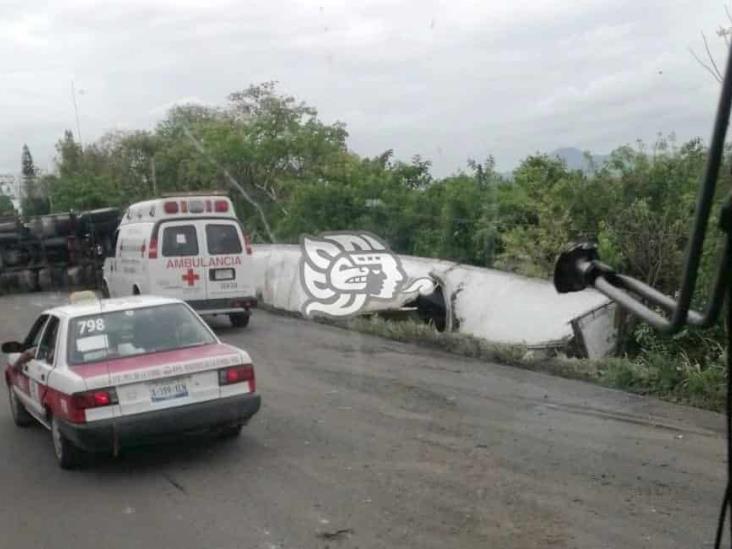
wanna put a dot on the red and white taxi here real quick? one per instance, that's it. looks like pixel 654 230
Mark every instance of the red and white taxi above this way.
pixel 101 374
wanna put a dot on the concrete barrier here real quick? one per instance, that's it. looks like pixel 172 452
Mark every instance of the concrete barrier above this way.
pixel 493 305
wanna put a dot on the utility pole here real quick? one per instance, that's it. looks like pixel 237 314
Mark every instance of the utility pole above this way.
pixel 152 175
pixel 76 113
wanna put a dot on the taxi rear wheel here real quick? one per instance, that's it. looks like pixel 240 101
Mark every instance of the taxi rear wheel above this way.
pixel 21 417
pixel 67 455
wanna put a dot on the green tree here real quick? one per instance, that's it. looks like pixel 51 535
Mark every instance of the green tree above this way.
pixel 6 206
pixel 70 159
pixel 34 201
pixel 260 147
pixel 82 192
pixel 537 212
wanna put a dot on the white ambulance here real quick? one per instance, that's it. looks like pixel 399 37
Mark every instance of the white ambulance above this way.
pixel 191 247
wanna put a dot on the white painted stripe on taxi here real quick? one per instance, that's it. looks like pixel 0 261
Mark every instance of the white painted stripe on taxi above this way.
pixel 104 412
pixel 235 389
pixel 168 370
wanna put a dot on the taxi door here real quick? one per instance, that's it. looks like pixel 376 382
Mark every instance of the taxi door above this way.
pixel 179 270
pixel 21 379
pixel 39 368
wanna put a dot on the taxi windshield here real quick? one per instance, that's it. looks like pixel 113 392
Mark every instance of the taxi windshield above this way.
pixel 132 332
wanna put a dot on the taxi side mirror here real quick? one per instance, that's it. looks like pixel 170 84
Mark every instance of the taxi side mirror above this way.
pixel 12 347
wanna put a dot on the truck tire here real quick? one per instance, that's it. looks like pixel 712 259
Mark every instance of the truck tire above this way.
pixel 75 276
pixel 90 276
pixel 28 280
pixel 45 282
pixel 9 226
pixel 59 278
pixel 64 224
pixel 35 227
pixel 11 256
pixel 10 281
pixel 98 222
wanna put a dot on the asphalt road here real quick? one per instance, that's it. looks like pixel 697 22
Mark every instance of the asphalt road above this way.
pixel 364 442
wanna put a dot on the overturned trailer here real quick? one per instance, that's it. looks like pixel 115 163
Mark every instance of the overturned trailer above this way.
pixel 55 251
pixel 489 304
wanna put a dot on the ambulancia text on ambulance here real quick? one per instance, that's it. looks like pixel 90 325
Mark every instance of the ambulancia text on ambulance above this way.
pixel 103 374
pixel 191 247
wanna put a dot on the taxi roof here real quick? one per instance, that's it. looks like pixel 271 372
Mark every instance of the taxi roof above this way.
pixel 109 305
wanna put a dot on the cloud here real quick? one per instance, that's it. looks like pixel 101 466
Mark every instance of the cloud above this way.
pixel 445 79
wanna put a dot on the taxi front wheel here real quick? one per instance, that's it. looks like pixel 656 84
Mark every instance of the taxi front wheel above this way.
pixel 67 455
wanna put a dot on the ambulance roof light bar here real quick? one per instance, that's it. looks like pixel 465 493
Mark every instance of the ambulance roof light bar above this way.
pixel 189 194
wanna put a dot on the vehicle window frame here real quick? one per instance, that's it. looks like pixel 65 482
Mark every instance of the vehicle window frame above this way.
pixel 54 347
pixel 163 246
pixel 36 331
pixel 113 251
pixel 238 238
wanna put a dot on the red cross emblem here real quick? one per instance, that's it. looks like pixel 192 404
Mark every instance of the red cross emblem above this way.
pixel 190 277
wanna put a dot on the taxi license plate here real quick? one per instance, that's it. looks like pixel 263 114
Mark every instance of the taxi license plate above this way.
pixel 167 390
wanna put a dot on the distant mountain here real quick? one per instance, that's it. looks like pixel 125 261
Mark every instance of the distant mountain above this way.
pixel 576 160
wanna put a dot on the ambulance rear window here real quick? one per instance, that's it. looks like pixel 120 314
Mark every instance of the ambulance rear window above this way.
pixel 222 239
pixel 180 240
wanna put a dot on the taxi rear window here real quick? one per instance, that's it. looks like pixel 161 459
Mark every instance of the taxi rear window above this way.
pixel 120 334
pixel 222 239
pixel 180 240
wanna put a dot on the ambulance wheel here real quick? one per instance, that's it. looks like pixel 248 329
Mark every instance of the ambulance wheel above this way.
pixel 239 320
pixel 21 417
pixel 67 455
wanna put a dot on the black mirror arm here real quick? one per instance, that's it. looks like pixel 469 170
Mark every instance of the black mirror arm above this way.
pixel 620 287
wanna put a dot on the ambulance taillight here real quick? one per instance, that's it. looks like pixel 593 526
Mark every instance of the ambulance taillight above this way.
pixel 247 243
pixel 152 251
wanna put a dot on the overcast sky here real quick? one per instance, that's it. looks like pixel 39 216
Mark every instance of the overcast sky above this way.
pixel 446 79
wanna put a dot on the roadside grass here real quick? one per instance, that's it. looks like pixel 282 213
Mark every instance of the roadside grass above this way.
pixel 667 377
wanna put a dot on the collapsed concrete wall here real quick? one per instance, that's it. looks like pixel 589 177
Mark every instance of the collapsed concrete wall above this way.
pixel 493 305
